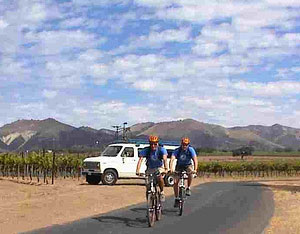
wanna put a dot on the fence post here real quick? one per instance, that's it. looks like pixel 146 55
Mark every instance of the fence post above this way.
pixel 18 172
pixel 44 169
pixel 23 160
pixel 53 166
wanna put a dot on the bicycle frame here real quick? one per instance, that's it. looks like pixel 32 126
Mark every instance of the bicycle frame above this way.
pixel 181 188
pixel 154 208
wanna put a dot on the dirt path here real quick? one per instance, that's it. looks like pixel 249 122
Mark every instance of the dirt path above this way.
pixel 26 207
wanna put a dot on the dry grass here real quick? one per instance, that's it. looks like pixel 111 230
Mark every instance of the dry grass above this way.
pixel 286 218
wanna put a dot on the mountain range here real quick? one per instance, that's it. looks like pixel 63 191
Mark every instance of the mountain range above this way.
pixel 51 134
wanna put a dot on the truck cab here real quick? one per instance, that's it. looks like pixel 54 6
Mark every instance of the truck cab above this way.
pixel 119 161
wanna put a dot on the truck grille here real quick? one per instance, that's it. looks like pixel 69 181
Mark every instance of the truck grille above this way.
pixel 90 165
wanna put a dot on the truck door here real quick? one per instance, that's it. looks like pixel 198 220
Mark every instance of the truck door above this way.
pixel 143 166
pixel 129 162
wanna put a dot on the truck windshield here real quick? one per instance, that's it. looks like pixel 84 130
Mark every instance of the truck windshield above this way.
pixel 111 151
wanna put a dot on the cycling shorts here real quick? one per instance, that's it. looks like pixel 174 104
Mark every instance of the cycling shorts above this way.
pixel 188 168
pixel 153 170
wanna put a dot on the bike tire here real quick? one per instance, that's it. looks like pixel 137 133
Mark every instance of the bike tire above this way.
pixel 181 205
pixel 158 210
pixel 181 200
pixel 151 216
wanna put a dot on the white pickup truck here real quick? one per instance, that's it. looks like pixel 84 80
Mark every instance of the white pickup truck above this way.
pixel 119 161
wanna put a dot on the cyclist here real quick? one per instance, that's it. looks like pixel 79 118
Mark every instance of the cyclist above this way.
pixel 184 154
pixel 156 157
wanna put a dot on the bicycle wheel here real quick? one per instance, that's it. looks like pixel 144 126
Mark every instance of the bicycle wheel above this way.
pixel 181 205
pixel 151 210
pixel 158 206
pixel 181 201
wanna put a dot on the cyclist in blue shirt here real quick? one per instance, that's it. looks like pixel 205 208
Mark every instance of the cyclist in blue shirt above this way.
pixel 185 154
pixel 156 157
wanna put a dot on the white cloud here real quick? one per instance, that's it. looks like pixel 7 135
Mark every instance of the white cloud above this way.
pixel 55 42
pixel 91 55
pixel 49 93
pixel 154 3
pixel 283 3
pixel 35 13
pixel 80 111
pixel 55 47
pixel 280 88
pixel 295 69
pixel 156 40
pixel 3 24
pixel 207 49
pixel 73 22
pixel 98 3
pixel 11 70
pixel 100 73
pixel 245 14
pixel 151 85
pixel 117 22
pixel 287 73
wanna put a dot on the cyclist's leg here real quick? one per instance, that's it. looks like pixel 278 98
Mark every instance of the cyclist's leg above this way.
pixel 176 186
pixel 161 183
pixel 160 179
pixel 147 182
pixel 176 181
pixel 189 170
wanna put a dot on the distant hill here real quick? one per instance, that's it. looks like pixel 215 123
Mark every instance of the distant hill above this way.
pixel 3 147
pixel 280 136
pixel 49 133
pixel 216 136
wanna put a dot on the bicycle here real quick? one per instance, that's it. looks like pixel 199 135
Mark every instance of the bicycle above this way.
pixel 154 205
pixel 182 190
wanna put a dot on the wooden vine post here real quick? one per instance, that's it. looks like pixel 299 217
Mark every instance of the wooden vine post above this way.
pixel 53 166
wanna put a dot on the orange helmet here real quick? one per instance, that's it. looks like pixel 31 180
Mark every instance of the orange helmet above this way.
pixel 153 139
pixel 185 141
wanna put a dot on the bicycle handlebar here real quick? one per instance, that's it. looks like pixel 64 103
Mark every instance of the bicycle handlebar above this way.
pixel 150 174
pixel 183 172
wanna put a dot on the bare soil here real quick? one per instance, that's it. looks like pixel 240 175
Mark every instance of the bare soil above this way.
pixel 26 206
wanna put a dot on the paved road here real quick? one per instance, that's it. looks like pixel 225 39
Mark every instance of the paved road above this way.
pixel 225 207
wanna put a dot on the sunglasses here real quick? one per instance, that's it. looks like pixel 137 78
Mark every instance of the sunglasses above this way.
pixel 185 144
pixel 151 143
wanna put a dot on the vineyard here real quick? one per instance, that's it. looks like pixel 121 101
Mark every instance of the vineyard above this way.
pixel 40 166
pixel 256 168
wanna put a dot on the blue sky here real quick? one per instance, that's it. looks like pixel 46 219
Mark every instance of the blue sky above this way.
pixel 101 63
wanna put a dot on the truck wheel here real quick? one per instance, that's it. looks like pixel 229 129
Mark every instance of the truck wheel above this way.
pixel 93 179
pixel 109 177
pixel 169 180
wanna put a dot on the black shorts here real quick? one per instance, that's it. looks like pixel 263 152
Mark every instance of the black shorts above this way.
pixel 187 168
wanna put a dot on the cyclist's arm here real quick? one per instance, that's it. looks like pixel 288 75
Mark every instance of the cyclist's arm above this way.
pixel 195 160
pixel 194 157
pixel 165 162
pixel 138 166
pixel 171 163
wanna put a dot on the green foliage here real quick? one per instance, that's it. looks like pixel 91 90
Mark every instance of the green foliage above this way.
pixel 243 151
pixel 40 161
pixel 205 150
pixel 221 167
pixel 278 152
